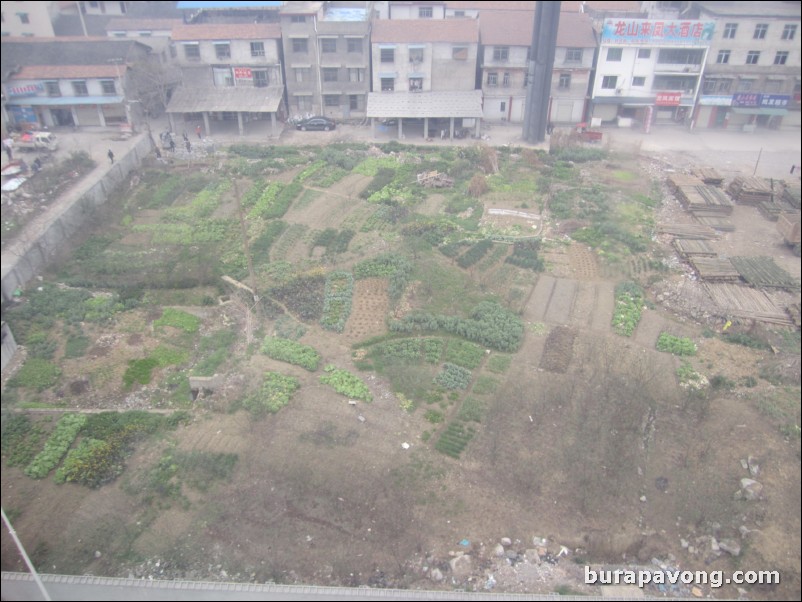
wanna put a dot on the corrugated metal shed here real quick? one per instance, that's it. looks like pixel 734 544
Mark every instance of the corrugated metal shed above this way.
pixel 417 105
pixel 198 100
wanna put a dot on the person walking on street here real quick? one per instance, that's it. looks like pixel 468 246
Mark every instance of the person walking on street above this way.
pixel 189 146
pixel 172 145
pixel 111 156
pixel 8 147
pixel 198 131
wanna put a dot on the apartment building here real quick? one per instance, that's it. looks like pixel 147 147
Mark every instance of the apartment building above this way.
pixel 327 58
pixel 229 72
pixel 752 73
pixel 28 19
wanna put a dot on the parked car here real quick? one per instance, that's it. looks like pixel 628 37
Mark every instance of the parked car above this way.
pixel 316 123
pixel 36 142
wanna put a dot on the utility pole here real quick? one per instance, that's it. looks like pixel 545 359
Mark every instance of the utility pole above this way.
pixel 541 65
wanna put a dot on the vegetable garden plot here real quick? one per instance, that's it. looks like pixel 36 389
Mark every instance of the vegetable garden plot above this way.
pixel 559 350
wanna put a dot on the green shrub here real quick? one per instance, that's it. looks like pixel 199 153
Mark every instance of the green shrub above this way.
pixel 36 374
pixel 337 301
pixel 432 350
pixel 475 253
pixel 56 446
pixel 499 363
pixel 140 371
pixel 76 346
pixel 453 377
pixel 21 440
pixel 525 255
pixel 275 393
pixel 740 338
pixel 675 345
pixel 346 384
pixel 92 463
pixel 434 416
pixel 629 300
pixel 178 319
pixel 291 352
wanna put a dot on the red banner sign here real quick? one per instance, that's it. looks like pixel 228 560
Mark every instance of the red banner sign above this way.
pixel 242 73
pixel 668 99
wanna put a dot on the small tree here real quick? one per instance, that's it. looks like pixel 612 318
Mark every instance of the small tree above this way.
pixel 477 186
pixel 152 83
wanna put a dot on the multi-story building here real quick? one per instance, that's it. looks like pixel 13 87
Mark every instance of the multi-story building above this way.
pixel 104 8
pixel 752 73
pixel 649 70
pixel 229 72
pixel 327 57
pixel 506 39
pixel 28 19
pixel 426 69
pixel 69 81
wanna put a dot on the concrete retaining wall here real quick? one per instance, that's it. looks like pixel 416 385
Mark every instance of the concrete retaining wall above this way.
pixel 34 251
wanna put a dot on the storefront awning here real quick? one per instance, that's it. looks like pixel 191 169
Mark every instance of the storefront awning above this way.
pixel 759 111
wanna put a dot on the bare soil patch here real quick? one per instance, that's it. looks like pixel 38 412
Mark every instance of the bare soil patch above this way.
pixel 369 309
pixel 559 350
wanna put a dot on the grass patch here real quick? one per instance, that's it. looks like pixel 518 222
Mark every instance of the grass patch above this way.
pixel 472 410
pixel 36 374
pixel 465 354
pixel 499 363
pixel 178 319
pixel 57 444
pixel 275 393
pixel 485 385
pixel 292 352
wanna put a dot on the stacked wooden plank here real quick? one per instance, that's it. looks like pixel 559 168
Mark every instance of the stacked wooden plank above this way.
pixel 744 302
pixel 678 180
pixel 763 272
pixel 788 226
pixel 709 176
pixel 791 195
pixel 704 198
pixel 715 221
pixel 693 247
pixel 749 190
pixel 773 209
pixel 715 269
pixel 687 231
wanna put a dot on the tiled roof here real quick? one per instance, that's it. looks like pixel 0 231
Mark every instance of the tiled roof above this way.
pixel 226 31
pixel 253 100
pixel 411 31
pixel 142 24
pixel 68 71
pixel 417 105
pixel 488 6
pixel 507 28
pixel 575 31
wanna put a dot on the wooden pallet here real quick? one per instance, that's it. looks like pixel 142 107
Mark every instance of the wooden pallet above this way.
pixel 763 272
pixel 749 190
pixel 713 220
pixel 710 176
pixel 741 301
pixel 715 269
pixel 693 247
pixel 704 198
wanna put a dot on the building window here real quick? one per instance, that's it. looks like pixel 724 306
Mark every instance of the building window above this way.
pixel 772 86
pixel 356 75
pixel 257 48
pixel 260 78
pixel 23 18
pixel 388 84
pixel 222 77
pixel 609 82
pixel 614 54
pixel 52 89
pixel 638 82
pixel 459 53
pixel 502 106
pixel 709 86
pixel 298 19
pixel 680 56
pixel 355 45
pixel 789 32
pixel 415 55
pixel 300 45
pixel 192 51
pixel 459 13
pixel 80 89
pixel 108 87
pixel 387 55
pixel 415 84
pixel 565 81
pixel 425 12
pixel 760 31
pixel 729 31
pixel 501 53
pixel 724 86
pixel 222 50
pixel 781 57
pixel 304 103
pixel 302 74
pixel 572 55
pixel 723 57
pixel 752 57
pixel 745 85
pixel 644 53
pixel 353 102
pixel 328 45
pixel 492 79
pixel 505 81
pixel 330 74
pixel 331 100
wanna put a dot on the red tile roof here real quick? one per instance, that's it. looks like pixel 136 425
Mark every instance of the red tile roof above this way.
pixel 226 31
pixel 515 29
pixel 68 71
pixel 575 31
pixel 411 31
pixel 496 6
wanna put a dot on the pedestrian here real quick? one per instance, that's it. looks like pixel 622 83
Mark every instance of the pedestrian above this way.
pixel 8 147
pixel 158 154
pixel 793 167
pixel 186 138
pixel 198 131
pixel 189 146
pixel 172 145
pixel 37 165
pixel 111 156
pixel 442 134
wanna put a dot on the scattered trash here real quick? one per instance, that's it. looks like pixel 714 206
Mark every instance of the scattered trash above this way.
pixel 361 418
pixel 465 543
pixel 405 445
